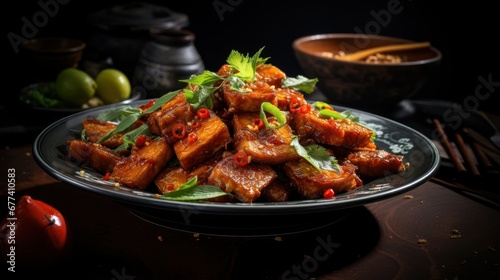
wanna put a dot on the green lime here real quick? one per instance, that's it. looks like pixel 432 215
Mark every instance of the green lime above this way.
pixel 75 87
pixel 112 85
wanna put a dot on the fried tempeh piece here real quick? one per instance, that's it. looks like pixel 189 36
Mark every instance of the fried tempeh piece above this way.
pixel 329 131
pixel 312 183
pixel 212 135
pixel 264 145
pixel 171 178
pixel 140 168
pixel 98 157
pixel 96 129
pixel 376 163
pixel 250 100
pixel 244 182
pixel 286 95
pixel 277 191
pixel 270 74
pixel 177 110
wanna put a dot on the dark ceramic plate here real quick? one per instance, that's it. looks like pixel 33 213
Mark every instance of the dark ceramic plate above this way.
pixel 264 218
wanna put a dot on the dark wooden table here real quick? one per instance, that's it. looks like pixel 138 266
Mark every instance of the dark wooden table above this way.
pixel 408 236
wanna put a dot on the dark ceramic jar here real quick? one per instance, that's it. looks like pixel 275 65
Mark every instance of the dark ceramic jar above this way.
pixel 168 57
pixel 120 32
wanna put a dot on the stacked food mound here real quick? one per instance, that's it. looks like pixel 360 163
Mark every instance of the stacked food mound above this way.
pixel 243 134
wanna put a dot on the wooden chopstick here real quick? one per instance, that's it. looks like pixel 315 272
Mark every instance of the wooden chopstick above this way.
pixel 466 155
pixel 483 160
pixel 448 148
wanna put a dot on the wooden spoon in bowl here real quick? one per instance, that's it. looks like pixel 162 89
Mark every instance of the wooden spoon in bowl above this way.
pixel 389 48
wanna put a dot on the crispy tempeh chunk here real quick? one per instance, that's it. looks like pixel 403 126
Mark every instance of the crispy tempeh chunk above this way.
pixel 336 132
pixel 171 178
pixel 312 183
pixel 244 182
pixel 251 99
pixel 98 157
pixel 96 129
pixel 140 168
pixel 270 74
pixel 286 95
pixel 277 191
pixel 212 135
pixel 264 145
pixel 376 163
pixel 175 111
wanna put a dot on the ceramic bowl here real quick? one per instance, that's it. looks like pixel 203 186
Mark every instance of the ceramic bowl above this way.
pixel 47 56
pixel 361 84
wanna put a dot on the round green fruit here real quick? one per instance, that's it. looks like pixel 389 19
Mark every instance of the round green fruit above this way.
pixel 75 87
pixel 112 85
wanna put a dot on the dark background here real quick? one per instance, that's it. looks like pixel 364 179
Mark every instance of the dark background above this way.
pixel 464 33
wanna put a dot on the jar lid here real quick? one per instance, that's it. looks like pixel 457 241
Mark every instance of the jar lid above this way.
pixel 137 16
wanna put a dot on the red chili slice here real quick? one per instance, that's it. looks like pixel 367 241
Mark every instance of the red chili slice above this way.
pixel 179 130
pixel 106 177
pixel 294 105
pixel 195 124
pixel 141 140
pixel 148 105
pixel 329 193
pixel 192 137
pixel 259 123
pixel 306 108
pixel 203 113
pixel 241 158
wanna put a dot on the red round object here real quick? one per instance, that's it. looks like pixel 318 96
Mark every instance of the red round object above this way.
pixel 35 236
pixel 241 158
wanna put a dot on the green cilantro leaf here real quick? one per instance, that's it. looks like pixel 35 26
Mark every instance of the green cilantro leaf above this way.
pixel 316 155
pixel 300 83
pixel 236 83
pixel 207 79
pixel 203 97
pixel 244 64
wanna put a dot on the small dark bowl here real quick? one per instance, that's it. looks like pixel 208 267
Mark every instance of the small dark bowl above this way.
pixel 361 84
pixel 47 56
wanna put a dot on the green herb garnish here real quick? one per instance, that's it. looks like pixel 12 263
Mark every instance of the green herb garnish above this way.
pixel 316 155
pixel 267 107
pixel 300 83
pixel 130 137
pixel 42 95
pixel 126 116
pixel 243 66
pixel 191 191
